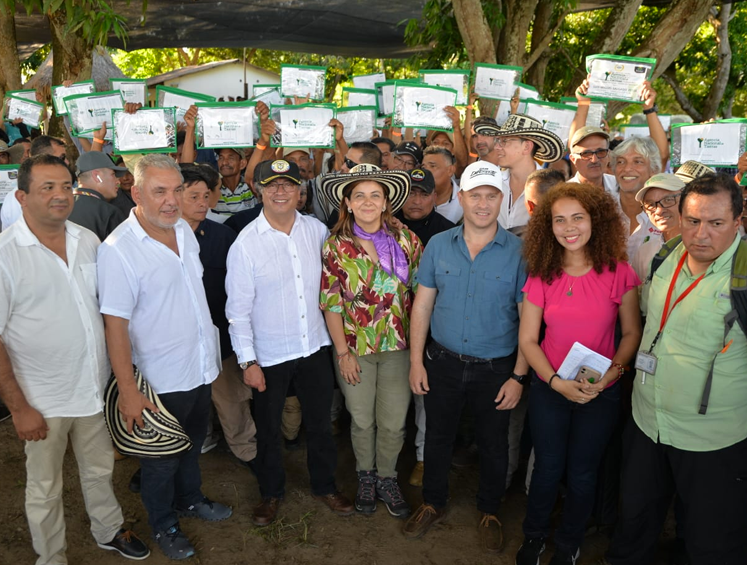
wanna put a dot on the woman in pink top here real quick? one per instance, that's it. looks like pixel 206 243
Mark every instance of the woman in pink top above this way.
pixel 579 285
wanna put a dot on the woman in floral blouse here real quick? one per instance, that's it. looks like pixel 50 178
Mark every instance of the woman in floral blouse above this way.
pixel 367 291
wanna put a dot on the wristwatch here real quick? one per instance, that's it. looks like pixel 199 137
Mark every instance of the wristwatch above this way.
pixel 652 110
pixel 521 379
pixel 246 364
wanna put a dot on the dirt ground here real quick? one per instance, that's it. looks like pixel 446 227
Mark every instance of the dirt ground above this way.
pixel 308 534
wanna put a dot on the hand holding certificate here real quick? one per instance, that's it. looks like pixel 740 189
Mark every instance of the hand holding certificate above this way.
pixel 612 77
pixel 306 125
pixel 60 92
pixel 29 111
pixel 227 124
pixel 358 121
pixel 149 130
pixel 423 107
pixel 88 112
pixel 133 90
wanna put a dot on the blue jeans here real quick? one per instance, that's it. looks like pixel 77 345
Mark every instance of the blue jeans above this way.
pixel 454 383
pixel 568 438
pixel 169 483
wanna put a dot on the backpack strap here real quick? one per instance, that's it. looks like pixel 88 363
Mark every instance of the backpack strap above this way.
pixel 663 253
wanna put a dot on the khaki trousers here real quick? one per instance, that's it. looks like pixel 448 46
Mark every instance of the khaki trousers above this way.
pixel 44 509
pixel 231 400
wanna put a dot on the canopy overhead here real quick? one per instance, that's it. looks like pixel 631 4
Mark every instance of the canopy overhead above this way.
pixel 351 28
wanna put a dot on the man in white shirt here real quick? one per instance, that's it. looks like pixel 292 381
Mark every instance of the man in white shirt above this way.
pixel 53 364
pixel 279 335
pixel 157 317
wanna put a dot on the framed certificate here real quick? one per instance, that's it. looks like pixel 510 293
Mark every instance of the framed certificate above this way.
pixel 306 125
pixel 8 180
pixel 456 80
pixel 149 130
pixel 30 111
pixel 303 81
pixel 25 94
pixel 132 89
pixel 634 130
pixel 496 81
pixel 87 112
pixel 423 106
pixel 555 117
pixel 612 77
pixel 226 124
pixel 60 92
pixel 258 89
pixel 385 98
pixel 716 144
pixel 359 122
pixel 368 82
pixel 597 110
pixel 168 97
pixel 358 97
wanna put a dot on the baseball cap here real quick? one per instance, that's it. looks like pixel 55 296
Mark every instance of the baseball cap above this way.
pixel 278 169
pixel 665 181
pixel 288 150
pixel 586 131
pixel 93 160
pixel 482 173
pixel 411 149
pixel 240 151
pixel 422 179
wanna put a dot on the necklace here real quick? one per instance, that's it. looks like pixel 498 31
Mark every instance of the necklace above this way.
pixel 570 288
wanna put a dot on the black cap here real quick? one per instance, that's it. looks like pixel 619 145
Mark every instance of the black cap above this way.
pixel 92 160
pixel 278 169
pixel 411 149
pixel 422 179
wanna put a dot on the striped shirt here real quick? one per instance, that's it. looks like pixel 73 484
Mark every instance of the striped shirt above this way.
pixel 232 201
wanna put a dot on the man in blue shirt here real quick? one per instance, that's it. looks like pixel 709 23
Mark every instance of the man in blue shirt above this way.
pixel 470 280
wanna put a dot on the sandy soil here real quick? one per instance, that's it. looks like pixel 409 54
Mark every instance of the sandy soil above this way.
pixel 310 535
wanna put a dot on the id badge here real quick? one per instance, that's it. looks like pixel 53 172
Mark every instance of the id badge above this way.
pixel 646 362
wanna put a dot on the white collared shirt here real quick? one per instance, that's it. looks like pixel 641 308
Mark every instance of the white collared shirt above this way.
pixel 645 231
pixel 50 322
pixel 610 184
pixel 513 213
pixel 273 287
pixel 452 209
pixel 174 342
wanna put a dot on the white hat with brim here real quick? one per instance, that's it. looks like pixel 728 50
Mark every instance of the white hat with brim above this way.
pixel 396 183
pixel 482 173
pixel 665 181
pixel 550 146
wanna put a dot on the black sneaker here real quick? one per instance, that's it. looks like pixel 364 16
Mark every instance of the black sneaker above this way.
pixel 174 543
pixel 565 557
pixel 365 500
pixel 128 545
pixel 530 551
pixel 388 491
pixel 206 510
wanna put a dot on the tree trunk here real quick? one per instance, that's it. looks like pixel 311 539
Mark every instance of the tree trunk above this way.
pixel 10 67
pixel 675 30
pixel 616 26
pixel 543 30
pixel 723 66
pixel 512 43
pixel 475 31
pixel 73 60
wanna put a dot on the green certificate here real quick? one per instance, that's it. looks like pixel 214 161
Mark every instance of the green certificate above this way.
pixel 149 130
pixel 456 80
pixel 716 144
pixel 133 90
pixel 302 81
pixel 169 97
pixel 88 112
pixel 612 77
pixel 306 125
pixel 496 81
pixel 358 122
pixel 30 111
pixel 423 107
pixel 60 92
pixel 227 124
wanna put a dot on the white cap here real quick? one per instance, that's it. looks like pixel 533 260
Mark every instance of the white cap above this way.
pixel 482 173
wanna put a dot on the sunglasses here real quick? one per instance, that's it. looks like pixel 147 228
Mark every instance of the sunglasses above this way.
pixel 350 164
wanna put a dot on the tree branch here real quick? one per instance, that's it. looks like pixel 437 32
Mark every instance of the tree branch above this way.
pixel 670 77
pixel 723 65
pixel 544 43
pixel 616 26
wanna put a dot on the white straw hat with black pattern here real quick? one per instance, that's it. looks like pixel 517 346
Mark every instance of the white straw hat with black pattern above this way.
pixel 550 146
pixel 162 435
pixel 396 183
pixel 691 170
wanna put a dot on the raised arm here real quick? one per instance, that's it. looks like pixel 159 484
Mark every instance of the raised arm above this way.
pixel 582 109
pixel 655 129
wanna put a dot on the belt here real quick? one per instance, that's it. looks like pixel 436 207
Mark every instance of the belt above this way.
pixel 462 357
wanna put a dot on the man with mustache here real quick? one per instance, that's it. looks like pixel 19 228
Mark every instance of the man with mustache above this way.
pixel 236 194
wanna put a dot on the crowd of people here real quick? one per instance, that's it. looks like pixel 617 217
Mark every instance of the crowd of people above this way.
pixel 452 273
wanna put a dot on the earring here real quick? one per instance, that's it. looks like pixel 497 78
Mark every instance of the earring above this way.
pixel 383 209
pixel 350 210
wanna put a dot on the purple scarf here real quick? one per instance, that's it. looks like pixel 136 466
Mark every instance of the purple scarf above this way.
pixel 391 256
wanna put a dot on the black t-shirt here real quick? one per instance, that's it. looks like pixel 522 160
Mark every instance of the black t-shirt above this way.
pixel 427 227
pixel 93 212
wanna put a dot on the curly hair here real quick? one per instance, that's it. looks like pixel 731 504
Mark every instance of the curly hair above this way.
pixel 606 246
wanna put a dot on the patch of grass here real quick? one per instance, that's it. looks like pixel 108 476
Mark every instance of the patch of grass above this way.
pixel 282 533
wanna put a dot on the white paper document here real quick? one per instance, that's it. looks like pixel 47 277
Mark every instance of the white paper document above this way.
pixel 226 126
pixel 581 356
pixel 368 81
pixel 423 107
pixel 496 82
pixel 307 127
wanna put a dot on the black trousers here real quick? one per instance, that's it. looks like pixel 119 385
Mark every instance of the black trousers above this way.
pixel 313 380
pixel 712 486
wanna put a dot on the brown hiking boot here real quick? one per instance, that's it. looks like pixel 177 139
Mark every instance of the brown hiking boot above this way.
pixel 265 512
pixel 337 503
pixel 422 520
pixel 490 531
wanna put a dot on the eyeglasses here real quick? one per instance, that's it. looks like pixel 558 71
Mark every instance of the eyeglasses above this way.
pixel 666 202
pixel 350 164
pixel 503 141
pixel 406 162
pixel 589 155
pixel 275 187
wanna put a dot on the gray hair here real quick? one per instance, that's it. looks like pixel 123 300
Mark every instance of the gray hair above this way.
pixel 155 160
pixel 438 150
pixel 644 146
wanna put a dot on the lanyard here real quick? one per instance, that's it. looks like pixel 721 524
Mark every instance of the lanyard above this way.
pixel 667 310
